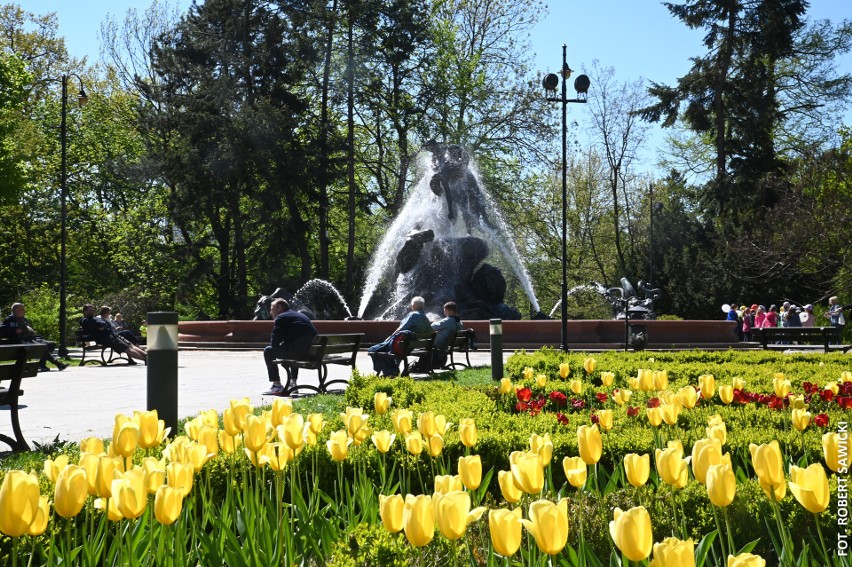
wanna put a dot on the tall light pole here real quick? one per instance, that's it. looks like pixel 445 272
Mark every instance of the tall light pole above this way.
pixel 581 85
pixel 82 99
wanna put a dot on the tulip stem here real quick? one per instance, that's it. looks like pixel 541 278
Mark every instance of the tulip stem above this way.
pixel 725 552
pixel 731 545
pixel 821 540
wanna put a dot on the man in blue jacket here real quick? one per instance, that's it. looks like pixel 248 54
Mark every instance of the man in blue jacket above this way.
pixel 292 335
pixel 416 322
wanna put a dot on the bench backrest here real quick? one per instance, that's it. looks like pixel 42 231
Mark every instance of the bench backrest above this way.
pixel 338 344
pixel 20 360
pixel 419 344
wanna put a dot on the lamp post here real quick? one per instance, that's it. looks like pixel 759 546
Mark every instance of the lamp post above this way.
pixel 581 85
pixel 82 99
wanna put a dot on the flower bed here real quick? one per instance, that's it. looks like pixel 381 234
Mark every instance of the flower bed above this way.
pixel 679 456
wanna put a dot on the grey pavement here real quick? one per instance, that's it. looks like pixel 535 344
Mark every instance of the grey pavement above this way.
pixel 82 401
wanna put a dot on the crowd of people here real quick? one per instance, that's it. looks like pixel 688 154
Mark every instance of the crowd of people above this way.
pixel 788 315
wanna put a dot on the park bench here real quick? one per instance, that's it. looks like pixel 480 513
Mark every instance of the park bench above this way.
pixel 785 337
pixel 107 355
pixel 339 349
pixel 17 362
pixel 409 346
pixel 460 344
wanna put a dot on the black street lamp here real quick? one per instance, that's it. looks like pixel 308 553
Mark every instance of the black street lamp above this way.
pixel 82 99
pixel 581 85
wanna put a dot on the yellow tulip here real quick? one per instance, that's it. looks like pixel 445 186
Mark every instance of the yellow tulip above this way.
pixel 801 418
pixel 645 380
pixel 448 483
pixel 130 494
pixel 418 520
pixel 254 433
pixel 738 383
pixel 673 552
pixel 315 423
pixel 631 532
pixel 548 525
pixel 768 464
pixel 505 386
pixel 240 410
pixel 453 514
pixel 621 397
pixel 470 471
pixel 192 426
pixel 414 443
pixel 354 420
pixel 39 523
pixel 391 512
pixel 607 378
pixel 276 455
pixel 92 445
pixel 155 473
pixel 633 383
pixel 689 396
pixel 89 463
pixel 655 416
pixel 506 533
pixel 229 443
pixel 746 560
pixel 575 471
pixel 716 429
pixel 810 487
pixel 832 386
pixel 672 467
pixel 381 402
pixel 845 376
pixel 511 492
pixel 195 455
pixel 831 450
pixel 707 385
pixel 402 420
pixel 670 412
pixel 638 468
pixel 426 424
pixel 797 402
pixel 661 379
pixel 564 370
pixel 540 380
pixel 383 440
pixel 281 408
pixel 721 484
pixel 293 430
pixel 589 365
pixel 208 437
pixel 527 470
pixel 576 386
pixel 528 373
pixel 706 452
pixel 543 446
pixel 110 506
pixel 726 394
pixel 168 504
pixel 605 419
pixel 107 468
pixel 362 435
pixel 781 386
pixel 180 476
pixel 71 491
pixel 125 439
pixel 467 432
pixel 590 443
pixel 52 467
pixel 435 446
pixel 338 445
pixel 152 429
pixel 228 422
pixel 19 502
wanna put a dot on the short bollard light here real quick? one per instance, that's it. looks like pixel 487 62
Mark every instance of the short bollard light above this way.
pixel 496 328
pixel 163 366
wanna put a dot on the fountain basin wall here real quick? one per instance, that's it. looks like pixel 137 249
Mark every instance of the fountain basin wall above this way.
pixel 582 334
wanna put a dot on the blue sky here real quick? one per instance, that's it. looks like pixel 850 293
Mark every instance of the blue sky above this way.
pixel 638 38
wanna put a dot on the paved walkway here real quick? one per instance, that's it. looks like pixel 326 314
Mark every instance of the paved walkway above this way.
pixel 83 401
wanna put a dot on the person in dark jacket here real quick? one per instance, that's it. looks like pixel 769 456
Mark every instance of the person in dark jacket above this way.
pixel 103 333
pixel 292 335
pixel 18 329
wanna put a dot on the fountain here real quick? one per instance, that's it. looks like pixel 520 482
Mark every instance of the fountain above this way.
pixel 438 244
pixel 318 299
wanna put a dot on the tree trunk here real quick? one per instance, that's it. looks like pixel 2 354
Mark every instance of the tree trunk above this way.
pixel 323 148
pixel 349 288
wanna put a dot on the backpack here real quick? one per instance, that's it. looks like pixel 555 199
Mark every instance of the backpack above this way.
pixel 397 343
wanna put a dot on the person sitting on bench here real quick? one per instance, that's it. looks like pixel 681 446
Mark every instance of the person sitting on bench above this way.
pixel 18 329
pixel 292 335
pixel 444 331
pixel 101 331
pixel 119 329
pixel 416 322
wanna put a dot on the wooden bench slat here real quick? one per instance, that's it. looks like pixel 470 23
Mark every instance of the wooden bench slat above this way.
pixel 26 358
pixel 341 349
